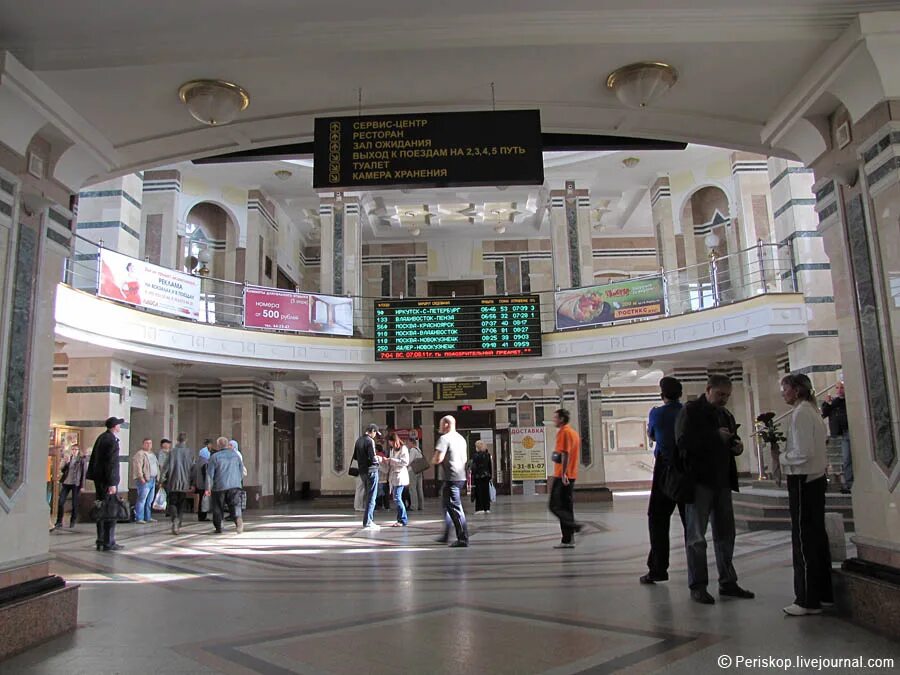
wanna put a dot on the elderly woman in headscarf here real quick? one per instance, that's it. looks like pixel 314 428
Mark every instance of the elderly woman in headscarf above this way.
pixel 234 446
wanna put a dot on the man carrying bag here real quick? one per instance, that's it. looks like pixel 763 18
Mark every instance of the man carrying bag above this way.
pixel 103 469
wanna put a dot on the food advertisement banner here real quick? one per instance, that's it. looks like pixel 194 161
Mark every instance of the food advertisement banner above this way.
pixel 595 305
pixel 272 309
pixel 529 461
pixel 142 284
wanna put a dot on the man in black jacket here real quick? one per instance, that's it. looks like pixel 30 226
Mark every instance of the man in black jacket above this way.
pixel 367 460
pixel 707 442
pixel 103 469
pixel 835 411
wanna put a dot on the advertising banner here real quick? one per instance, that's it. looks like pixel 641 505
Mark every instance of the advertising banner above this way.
pixel 142 284
pixel 595 305
pixel 274 309
pixel 529 461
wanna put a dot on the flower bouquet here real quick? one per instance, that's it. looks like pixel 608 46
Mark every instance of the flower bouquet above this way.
pixel 770 434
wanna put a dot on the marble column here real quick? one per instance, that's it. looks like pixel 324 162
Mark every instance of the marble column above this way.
pixel 667 243
pixel 578 390
pixel 248 417
pixel 570 227
pixel 111 211
pixel 340 426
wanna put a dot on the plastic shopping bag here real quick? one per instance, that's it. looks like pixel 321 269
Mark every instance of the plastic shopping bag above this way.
pixel 493 491
pixel 160 502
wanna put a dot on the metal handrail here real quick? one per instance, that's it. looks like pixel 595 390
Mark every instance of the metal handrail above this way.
pixel 776 420
pixel 760 269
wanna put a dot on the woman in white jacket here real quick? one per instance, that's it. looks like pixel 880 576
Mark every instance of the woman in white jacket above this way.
pixel 399 475
pixel 804 461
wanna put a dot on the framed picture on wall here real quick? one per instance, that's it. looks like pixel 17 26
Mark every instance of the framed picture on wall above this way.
pixel 842 136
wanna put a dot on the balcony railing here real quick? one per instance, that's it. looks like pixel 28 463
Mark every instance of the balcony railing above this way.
pixel 762 269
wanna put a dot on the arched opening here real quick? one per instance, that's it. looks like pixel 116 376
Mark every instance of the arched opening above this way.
pixel 709 240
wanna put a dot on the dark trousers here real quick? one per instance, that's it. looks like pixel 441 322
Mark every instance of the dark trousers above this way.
pixel 175 508
pixel 453 510
pixel 106 529
pixel 710 504
pixel 659 519
pixel 64 491
pixel 225 499
pixel 482 492
pixel 562 505
pixel 812 557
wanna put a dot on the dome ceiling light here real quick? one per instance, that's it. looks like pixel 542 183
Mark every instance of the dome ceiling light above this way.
pixel 283 174
pixel 213 102
pixel 630 162
pixel 638 85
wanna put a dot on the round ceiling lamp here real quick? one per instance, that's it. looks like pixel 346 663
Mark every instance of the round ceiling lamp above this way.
pixel 283 174
pixel 712 241
pixel 499 228
pixel 630 162
pixel 638 85
pixel 213 102
pixel 416 231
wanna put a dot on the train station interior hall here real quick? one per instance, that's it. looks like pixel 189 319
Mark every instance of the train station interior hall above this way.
pixel 249 249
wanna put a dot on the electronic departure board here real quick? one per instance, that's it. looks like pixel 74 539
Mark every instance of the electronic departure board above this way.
pixel 457 328
pixel 428 150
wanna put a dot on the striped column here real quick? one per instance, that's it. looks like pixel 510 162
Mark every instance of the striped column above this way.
pixel 160 197
pixel 796 226
pixel 111 211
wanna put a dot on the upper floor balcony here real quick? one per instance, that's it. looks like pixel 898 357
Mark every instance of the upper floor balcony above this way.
pixel 747 302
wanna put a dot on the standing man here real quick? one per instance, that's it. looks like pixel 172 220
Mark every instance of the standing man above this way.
pixel 565 471
pixel 416 478
pixel 834 409
pixel 661 430
pixel 178 480
pixel 368 461
pixel 162 458
pixel 199 480
pixel 72 480
pixel 103 469
pixel 707 440
pixel 224 477
pixel 451 453
pixel 144 480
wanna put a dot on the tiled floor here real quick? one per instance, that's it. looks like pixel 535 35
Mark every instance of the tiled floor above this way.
pixel 304 591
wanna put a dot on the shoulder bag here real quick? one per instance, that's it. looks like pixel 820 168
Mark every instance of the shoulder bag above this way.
pixel 353 470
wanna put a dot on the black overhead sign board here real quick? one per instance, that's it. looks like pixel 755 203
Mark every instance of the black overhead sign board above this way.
pixel 460 391
pixel 428 150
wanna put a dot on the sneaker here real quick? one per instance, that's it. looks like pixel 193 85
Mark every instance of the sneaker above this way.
pixel 488 511
pixel 459 544
pixel 239 525
pixel 702 596
pixel 477 512
pixel 796 610
pixel 140 522
pixel 113 547
pixel 565 545
pixel 219 531
pixel 650 579
pixel 372 526
pixel 735 591
pixel 57 526
pixel 151 520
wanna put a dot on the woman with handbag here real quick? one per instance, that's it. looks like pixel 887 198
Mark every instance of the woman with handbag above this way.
pixel 398 478
pixel 482 472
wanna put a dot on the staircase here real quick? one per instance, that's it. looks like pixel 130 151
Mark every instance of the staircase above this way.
pixel 761 505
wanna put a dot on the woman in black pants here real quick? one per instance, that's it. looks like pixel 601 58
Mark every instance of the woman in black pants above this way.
pixel 481 477
pixel 804 461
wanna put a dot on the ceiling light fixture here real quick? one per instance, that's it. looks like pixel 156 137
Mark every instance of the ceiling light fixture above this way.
pixel 638 85
pixel 283 174
pixel 416 231
pixel 630 162
pixel 213 102
pixel 499 228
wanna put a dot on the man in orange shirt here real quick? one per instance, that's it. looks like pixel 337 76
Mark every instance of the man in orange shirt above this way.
pixel 565 471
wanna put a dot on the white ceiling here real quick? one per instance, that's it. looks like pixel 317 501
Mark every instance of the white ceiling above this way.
pixel 446 212
pixel 119 64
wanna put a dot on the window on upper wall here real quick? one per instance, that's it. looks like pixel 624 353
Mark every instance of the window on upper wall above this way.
pixel 268 267
pixel 386 281
pixel 389 419
pixel 417 419
pixel 500 273
pixel 538 414
pixel 525 267
pixel 411 280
